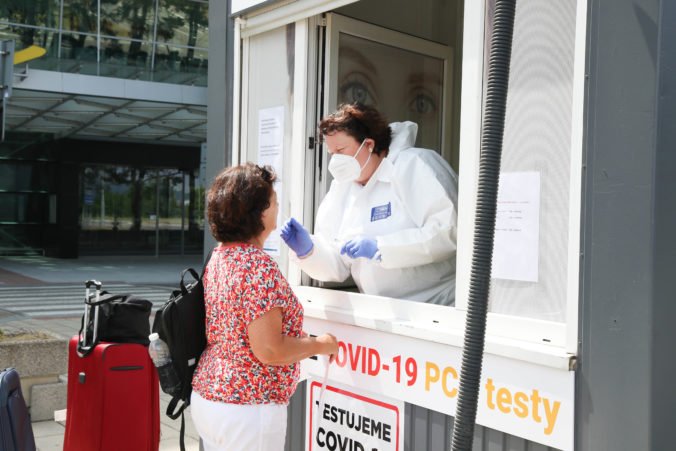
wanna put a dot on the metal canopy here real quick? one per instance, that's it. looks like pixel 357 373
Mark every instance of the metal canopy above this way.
pixel 91 117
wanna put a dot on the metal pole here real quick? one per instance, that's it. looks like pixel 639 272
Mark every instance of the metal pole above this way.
pixel 4 112
pixel 58 51
pixel 183 214
pixel 98 37
pixel 157 215
pixel 102 211
pixel 154 43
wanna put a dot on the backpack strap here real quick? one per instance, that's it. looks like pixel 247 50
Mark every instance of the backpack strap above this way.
pixel 171 413
pixel 204 268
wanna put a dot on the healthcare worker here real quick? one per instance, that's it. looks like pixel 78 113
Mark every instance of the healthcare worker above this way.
pixel 389 218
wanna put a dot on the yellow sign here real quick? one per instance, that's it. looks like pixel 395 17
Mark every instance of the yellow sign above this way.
pixel 29 53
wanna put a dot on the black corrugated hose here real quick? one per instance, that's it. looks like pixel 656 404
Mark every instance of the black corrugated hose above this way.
pixel 489 171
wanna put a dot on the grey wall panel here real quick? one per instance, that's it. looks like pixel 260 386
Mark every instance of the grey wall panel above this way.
pixel 295 424
pixel 424 430
pixel 663 393
pixel 219 95
pixel 625 390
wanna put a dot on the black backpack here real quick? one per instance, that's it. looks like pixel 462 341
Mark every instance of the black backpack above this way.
pixel 180 322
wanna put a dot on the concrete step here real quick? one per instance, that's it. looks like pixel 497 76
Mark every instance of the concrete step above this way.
pixel 46 398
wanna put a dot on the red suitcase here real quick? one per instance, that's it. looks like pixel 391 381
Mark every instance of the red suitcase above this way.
pixel 113 397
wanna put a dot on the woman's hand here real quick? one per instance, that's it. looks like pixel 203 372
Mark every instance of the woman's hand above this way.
pixel 329 346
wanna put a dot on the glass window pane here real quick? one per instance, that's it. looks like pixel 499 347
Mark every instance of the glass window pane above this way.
pixel 25 37
pixel 79 16
pixel 128 19
pixel 404 85
pixel 183 22
pixel 23 207
pixel 180 65
pixel 537 140
pixel 31 176
pixel 270 99
pixel 41 13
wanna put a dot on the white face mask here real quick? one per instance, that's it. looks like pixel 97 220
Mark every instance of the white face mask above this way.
pixel 345 168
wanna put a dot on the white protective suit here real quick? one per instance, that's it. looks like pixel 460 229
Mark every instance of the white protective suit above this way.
pixel 409 207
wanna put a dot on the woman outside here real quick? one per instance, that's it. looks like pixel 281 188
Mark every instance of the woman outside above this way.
pixel 389 218
pixel 254 322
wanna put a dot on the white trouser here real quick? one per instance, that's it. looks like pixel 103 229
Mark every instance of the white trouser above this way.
pixel 239 427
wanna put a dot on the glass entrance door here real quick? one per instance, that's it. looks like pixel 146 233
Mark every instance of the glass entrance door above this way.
pixel 132 210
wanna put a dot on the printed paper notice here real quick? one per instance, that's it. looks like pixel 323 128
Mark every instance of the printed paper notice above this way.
pixel 271 153
pixel 517 227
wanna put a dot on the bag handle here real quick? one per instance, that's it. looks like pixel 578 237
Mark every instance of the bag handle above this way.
pixel 107 298
pixel 194 275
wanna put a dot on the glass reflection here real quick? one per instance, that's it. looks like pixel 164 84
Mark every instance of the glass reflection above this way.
pixel 403 85
pixel 137 40
pixel 131 207
pixel 39 13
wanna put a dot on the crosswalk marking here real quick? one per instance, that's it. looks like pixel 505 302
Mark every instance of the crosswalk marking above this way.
pixel 68 300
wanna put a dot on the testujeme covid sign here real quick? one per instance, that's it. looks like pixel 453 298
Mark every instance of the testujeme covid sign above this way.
pixel 348 419
pixel 520 398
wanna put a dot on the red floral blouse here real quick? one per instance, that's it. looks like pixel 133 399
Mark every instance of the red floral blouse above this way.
pixel 241 283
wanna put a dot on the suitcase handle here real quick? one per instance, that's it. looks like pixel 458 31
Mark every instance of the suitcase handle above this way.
pixel 83 347
pixel 96 283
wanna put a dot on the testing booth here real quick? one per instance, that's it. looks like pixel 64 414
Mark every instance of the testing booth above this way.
pixel 394 385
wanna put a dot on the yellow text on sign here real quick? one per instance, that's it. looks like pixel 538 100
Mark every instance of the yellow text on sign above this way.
pixel 518 403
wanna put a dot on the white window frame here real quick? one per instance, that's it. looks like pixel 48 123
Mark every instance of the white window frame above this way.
pixel 562 334
pixel 541 342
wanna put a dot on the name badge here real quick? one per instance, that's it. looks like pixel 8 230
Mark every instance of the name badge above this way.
pixel 381 212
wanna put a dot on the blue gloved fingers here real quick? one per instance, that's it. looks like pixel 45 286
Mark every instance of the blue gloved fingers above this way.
pixel 295 224
pixel 353 247
pixel 286 235
pixel 355 250
pixel 368 248
pixel 348 248
pixel 360 247
pixel 297 237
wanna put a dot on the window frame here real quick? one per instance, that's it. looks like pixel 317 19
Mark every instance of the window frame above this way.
pixel 542 342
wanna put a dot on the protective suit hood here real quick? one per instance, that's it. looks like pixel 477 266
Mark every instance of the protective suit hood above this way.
pixel 403 137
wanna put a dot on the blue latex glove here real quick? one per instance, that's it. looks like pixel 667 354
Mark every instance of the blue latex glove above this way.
pixel 297 237
pixel 360 247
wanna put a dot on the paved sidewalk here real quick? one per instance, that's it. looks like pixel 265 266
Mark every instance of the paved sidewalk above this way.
pixel 32 271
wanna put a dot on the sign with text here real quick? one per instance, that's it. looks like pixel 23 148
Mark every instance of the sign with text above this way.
pixel 271 153
pixel 520 398
pixel 347 419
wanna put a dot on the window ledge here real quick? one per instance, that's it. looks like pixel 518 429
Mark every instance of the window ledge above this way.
pixel 431 323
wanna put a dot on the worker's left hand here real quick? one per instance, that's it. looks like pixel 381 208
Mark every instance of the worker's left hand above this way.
pixel 360 247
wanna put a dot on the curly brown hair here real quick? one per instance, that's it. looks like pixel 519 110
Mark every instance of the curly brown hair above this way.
pixel 360 122
pixel 236 201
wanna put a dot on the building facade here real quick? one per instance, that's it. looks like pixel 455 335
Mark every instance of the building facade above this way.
pixel 105 132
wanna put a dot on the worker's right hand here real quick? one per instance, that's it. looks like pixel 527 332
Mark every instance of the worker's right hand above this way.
pixel 297 238
pixel 330 345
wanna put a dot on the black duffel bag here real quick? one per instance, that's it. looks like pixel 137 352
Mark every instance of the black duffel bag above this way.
pixel 122 318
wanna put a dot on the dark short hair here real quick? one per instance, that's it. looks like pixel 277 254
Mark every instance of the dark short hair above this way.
pixel 360 122
pixel 236 201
